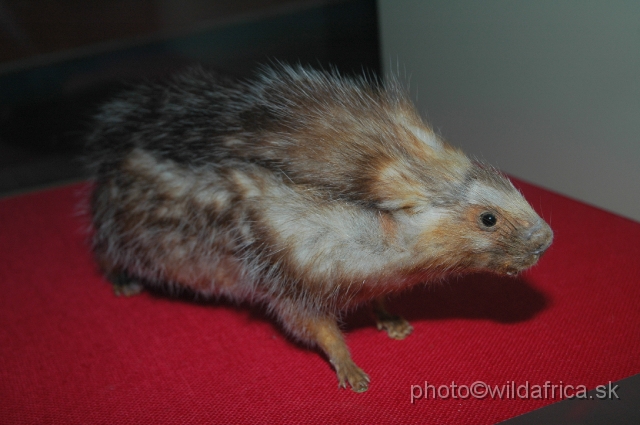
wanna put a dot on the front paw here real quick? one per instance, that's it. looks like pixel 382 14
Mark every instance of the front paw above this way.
pixel 349 372
pixel 396 327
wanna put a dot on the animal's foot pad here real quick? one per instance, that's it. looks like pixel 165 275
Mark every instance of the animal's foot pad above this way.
pixel 396 326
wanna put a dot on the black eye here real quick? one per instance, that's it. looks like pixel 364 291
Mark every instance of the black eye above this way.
pixel 488 219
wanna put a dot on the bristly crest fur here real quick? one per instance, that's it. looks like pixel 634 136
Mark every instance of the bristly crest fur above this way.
pixel 302 189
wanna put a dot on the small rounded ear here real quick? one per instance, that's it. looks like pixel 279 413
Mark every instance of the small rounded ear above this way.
pixel 397 189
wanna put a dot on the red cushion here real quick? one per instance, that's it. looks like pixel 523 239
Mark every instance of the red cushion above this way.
pixel 72 352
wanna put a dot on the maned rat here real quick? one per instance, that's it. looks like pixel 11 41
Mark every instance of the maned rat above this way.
pixel 302 189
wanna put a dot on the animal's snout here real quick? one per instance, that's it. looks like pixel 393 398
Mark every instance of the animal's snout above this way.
pixel 539 237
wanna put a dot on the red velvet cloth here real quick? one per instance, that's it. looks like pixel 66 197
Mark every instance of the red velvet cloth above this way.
pixel 72 352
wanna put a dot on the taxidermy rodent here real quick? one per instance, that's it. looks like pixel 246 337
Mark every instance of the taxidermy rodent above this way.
pixel 301 189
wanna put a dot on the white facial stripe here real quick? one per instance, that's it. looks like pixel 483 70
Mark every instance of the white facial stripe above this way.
pixel 481 194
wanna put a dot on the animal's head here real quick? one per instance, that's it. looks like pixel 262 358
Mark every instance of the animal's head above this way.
pixel 458 214
pixel 479 223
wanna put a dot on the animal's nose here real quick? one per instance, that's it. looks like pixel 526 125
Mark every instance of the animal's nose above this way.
pixel 540 236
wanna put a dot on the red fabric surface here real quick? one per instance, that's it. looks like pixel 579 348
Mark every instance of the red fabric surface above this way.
pixel 72 352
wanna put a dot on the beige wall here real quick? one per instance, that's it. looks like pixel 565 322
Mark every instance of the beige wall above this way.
pixel 548 91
